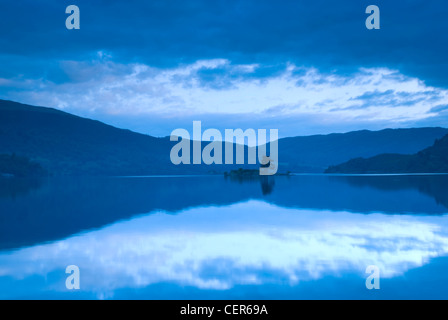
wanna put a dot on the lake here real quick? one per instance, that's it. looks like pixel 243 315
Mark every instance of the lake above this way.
pixel 215 237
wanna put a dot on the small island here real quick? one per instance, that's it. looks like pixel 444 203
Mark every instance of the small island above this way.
pixel 250 173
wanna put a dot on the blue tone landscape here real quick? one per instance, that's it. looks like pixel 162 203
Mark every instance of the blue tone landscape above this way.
pixel 89 101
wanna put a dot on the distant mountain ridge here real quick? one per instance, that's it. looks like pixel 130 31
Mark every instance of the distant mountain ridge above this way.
pixel 65 144
pixel 316 153
pixel 433 159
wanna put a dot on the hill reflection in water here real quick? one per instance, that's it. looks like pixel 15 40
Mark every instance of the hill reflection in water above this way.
pixel 286 237
pixel 36 211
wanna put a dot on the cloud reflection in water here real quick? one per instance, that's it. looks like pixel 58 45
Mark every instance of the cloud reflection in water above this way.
pixel 246 243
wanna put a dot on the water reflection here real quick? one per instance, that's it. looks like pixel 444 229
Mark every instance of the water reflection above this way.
pixel 56 208
pixel 219 248
pixel 223 238
pixel 16 187
pixel 267 183
pixel 435 186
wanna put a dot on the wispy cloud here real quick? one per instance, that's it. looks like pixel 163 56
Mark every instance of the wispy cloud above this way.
pixel 104 89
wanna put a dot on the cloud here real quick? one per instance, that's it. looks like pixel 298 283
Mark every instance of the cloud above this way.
pixel 206 89
pixel 327 35
pixel 311 64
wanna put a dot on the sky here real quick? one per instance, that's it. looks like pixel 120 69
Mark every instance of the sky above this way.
pixel 302 67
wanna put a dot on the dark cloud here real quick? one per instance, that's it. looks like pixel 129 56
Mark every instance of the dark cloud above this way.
pixel 329 35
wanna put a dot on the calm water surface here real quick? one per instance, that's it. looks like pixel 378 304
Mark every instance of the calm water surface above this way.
pixel 298 237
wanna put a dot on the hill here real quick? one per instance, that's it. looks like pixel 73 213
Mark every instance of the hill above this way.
pixel 430 160
pixel 65 144
pixel 15 166
pixel 316 153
